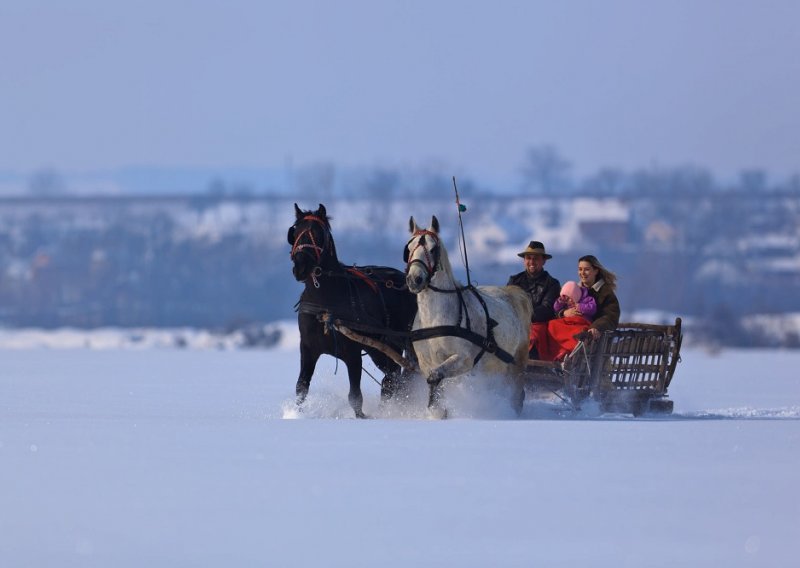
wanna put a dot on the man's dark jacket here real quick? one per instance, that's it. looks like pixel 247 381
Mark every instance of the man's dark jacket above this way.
pixel 543 290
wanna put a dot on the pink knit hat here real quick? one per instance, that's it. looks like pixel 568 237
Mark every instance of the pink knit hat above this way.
pixel 571 290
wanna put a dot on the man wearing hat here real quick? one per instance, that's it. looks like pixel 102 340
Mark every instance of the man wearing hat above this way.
pixel 542 288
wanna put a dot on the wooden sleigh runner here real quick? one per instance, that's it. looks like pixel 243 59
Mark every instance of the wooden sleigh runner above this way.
pixel 627 370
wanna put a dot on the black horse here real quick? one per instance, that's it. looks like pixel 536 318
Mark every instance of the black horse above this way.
pixel 373 300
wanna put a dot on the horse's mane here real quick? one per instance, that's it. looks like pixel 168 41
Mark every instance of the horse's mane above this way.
pixel 444 260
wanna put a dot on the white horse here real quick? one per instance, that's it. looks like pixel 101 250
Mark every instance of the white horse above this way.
pixel 460 329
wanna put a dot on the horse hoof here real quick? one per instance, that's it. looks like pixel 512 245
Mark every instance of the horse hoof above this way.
pixel 435 378
pixel 437 413
pixel 360 414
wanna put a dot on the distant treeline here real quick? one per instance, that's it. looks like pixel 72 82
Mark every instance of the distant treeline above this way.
pixel 543 171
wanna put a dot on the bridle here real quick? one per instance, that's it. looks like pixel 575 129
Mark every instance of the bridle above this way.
pixel 317 249
pixel 431 261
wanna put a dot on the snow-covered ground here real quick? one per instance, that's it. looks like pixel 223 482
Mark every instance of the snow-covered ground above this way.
pixel 180 457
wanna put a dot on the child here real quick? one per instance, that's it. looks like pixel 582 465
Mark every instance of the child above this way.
pixel 574 309
pixel 575 296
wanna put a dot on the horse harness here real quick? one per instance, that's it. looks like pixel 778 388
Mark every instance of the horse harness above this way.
pixel 372 276
pixel 487 344
pixel 431 262
pixel 351 274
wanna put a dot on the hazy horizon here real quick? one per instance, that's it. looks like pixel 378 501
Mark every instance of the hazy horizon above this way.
pixel 90 86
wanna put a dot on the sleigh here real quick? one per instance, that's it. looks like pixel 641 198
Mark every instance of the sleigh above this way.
pixel 627 370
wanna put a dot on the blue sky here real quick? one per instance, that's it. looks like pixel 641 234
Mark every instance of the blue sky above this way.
pixel 90 85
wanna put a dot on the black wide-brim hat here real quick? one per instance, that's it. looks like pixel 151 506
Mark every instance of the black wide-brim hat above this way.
pixel 534 247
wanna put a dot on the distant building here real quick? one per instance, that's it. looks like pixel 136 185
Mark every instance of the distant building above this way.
pixel 605 234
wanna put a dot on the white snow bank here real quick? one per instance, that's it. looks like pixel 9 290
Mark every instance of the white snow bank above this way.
pixel 281 334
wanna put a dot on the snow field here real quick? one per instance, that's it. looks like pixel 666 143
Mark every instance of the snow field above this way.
pixel 182 458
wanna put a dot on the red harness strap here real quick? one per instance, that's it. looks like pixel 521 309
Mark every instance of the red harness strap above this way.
pixel 364 277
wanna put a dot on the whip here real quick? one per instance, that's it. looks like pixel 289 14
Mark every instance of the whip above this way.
pixel 462 208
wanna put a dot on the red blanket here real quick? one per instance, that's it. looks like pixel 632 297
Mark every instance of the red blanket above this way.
pixel 554 339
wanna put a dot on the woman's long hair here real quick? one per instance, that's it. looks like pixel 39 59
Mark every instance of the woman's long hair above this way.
pixel 605 274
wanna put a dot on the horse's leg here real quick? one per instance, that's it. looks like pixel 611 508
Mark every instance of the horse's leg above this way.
pixel 308 362
pixel 398 379
pixel 435 404
pixel 517 393
pixel 390 383
pixel 391 374
pixel 388 386
pixel 456 364
pixel 352 358
pixel 453 366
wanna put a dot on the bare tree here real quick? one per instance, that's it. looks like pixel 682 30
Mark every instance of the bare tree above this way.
pixel 382 184
pixel 607 181
pixel 753 181
pixel 46 182
pixel 690 181
pixel 793 184
pixel 431 178
pixel 545 171
pixel 316 182
pixel 380 188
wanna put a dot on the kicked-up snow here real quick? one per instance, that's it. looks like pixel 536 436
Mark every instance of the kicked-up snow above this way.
pixel 175 457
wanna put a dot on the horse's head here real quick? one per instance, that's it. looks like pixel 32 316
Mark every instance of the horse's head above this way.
pixel 312 244
pixel 422 255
